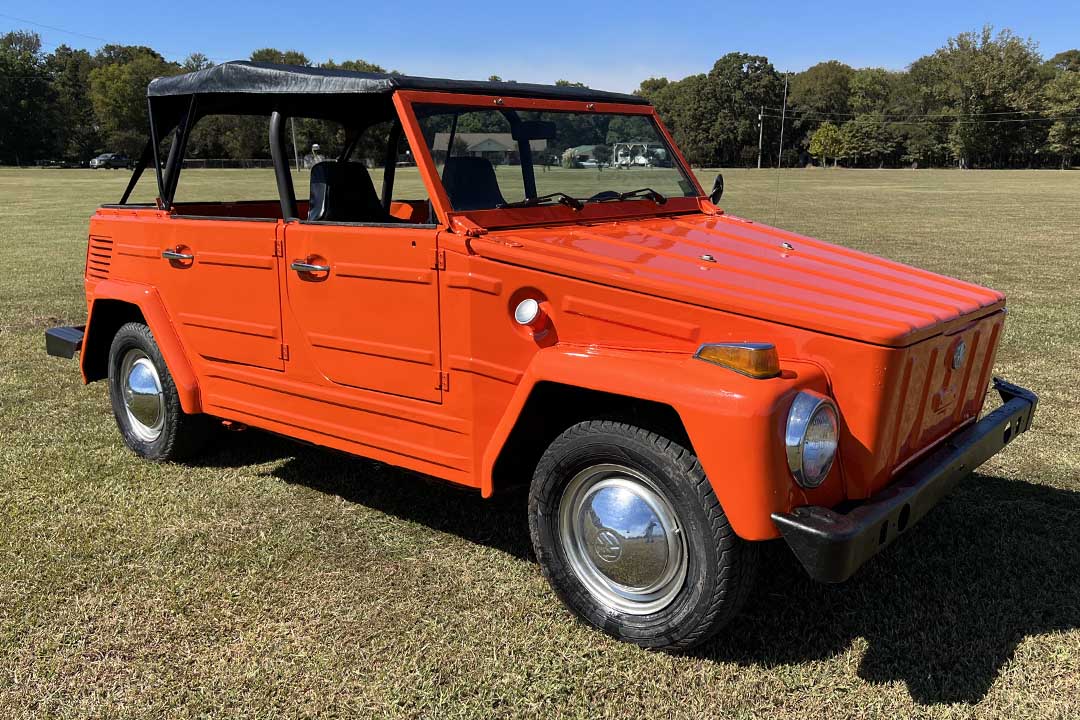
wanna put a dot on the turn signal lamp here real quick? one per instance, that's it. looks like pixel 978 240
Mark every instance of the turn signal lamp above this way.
pixel 756 360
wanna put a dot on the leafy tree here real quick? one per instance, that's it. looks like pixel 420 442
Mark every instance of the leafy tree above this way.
pixel 26 99
pixel 74 125
pixel 827 142
pixel 602 155
pixel 740 84
pixel 981 77
pixel 1066 61
pixel 118 95
pixel 689 109
pixel 822 91
pixel 358 65
pixel 1063 103
pixel 868 137
pixel 280 57
pixel 123 54
pixel 873 90
pixel 196 61
pixel 651 86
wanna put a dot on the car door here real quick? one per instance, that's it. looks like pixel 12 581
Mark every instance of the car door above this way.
pixel 365 300
pixel 220 283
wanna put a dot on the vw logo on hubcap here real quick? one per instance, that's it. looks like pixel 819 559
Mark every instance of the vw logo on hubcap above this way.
pixel 608 547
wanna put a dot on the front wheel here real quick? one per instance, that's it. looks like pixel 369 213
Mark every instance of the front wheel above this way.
pixel 630 535
pixel 145 402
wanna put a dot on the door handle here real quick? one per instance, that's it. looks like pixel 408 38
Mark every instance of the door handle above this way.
pixel 173 255
pixel 306 267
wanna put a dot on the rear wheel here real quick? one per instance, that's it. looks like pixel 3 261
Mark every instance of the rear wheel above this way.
pixel 631 537
pixel 145 402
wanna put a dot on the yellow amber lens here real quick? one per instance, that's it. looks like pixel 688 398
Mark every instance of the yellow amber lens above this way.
pixel 757 360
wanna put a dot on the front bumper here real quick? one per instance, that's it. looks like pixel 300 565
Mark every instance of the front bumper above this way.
pixel 832 545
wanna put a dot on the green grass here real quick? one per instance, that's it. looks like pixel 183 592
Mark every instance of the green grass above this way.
pixel 274 580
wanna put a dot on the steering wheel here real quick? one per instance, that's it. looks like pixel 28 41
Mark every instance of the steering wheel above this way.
pixel 605 195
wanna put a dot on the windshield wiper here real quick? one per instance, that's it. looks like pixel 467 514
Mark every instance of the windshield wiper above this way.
pixel 612 196
pixel 560 197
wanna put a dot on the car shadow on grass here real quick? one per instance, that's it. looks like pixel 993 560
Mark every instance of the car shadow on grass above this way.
pixel 500 522
pixel 942 610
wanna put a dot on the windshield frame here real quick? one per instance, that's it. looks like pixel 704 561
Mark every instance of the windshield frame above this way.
pixel 538 214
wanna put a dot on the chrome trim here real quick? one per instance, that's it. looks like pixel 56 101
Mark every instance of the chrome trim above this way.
pixel 144 400
pixel 803 409
pixel 301 266
pixel 622 539
pixel 741 345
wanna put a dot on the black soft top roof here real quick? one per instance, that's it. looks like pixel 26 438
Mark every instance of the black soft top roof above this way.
pixel 241 77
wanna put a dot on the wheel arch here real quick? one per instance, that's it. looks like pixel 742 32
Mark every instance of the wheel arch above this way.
pixel 114 304
pixel 553 406
pixel 732 423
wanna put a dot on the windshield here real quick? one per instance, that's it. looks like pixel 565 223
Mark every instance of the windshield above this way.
pixel 490 159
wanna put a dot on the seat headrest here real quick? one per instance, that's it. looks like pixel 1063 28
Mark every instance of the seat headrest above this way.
pixel 343 191
pixel 471 183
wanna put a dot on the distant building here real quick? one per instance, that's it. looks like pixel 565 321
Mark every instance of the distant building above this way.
pixel 629 154
pixel 499 148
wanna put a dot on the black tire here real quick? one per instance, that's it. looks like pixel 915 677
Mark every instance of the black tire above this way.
pixel 720 567
pixel 181 436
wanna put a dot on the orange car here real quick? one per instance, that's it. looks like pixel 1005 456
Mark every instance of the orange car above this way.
pixel 558 304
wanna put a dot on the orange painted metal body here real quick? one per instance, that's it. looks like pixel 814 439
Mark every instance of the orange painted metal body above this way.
pixel 406 351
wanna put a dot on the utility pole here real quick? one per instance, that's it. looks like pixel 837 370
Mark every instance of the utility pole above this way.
pixel 760 134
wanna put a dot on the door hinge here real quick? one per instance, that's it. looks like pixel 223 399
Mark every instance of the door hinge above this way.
pixel 279 248
pixel 443 382
pixel 439 262
pixel 284 352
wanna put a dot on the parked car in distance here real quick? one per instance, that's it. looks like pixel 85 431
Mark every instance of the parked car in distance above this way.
pixel 111 160
pixel 674 384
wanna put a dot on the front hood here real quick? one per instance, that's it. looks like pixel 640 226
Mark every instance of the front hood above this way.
pixel 739 266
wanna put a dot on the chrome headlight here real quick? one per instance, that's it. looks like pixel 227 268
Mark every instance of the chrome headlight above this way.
pixel 811 437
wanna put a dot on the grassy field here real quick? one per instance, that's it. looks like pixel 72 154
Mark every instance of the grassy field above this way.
pixel 275 580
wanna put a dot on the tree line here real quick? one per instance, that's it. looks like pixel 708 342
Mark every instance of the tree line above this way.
pixel 983 99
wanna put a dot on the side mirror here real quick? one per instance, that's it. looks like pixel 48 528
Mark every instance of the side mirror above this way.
pixel 717 189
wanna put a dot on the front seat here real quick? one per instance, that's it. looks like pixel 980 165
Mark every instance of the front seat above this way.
pixel 343 192
pixel 471 184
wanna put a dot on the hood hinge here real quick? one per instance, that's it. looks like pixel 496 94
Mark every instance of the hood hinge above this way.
pixel 466 227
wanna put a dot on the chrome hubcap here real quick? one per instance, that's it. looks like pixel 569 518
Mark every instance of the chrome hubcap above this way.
pixel 622 539
pixel 143 399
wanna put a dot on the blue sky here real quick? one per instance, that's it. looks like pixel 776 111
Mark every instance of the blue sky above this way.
pixel 607 45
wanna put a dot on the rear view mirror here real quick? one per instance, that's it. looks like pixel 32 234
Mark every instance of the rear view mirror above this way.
pixel 534 130
pixel 717 189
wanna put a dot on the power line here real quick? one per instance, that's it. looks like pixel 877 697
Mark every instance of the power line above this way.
pixel 91 37
pixel 53 27
pixel 937 115
pixel 944 121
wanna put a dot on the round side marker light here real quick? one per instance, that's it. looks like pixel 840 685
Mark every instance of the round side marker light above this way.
pixel 526 312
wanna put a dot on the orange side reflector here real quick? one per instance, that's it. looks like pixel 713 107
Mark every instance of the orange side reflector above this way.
pixel 756 360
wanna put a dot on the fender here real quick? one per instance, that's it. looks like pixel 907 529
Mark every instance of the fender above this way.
pixel 735 423
pixel 148 301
